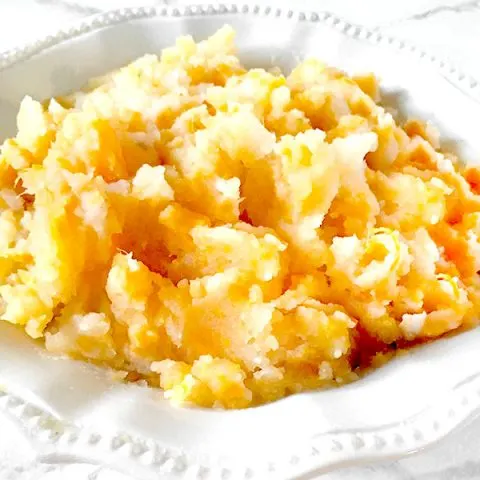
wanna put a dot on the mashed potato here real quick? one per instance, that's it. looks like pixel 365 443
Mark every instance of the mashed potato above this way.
pixel 230 235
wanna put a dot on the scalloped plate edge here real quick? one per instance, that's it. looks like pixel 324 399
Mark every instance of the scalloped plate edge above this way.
pixel 465 82
pixel 61 442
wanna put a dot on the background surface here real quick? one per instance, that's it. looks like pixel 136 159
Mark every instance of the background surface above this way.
pixel 447 28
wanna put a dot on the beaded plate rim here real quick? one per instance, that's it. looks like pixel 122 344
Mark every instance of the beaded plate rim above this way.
pixel 461 79
pixel 60 442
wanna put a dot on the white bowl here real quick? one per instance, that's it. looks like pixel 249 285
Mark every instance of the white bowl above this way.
pixel 74 413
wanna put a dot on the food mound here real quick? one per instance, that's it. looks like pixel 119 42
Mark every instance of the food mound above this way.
pixel 233 236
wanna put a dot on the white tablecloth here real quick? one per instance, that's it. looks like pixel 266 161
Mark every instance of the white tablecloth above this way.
pixel 449 28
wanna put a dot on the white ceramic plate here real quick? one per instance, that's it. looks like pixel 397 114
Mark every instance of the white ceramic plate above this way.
pixel 73 413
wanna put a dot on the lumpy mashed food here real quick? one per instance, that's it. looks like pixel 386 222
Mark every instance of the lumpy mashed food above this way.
pixel 229 235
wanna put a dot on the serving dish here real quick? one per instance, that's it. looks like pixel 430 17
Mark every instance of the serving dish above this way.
pixel 74 412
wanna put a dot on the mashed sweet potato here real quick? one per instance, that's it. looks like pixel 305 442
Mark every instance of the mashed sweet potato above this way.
pixel 231 235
